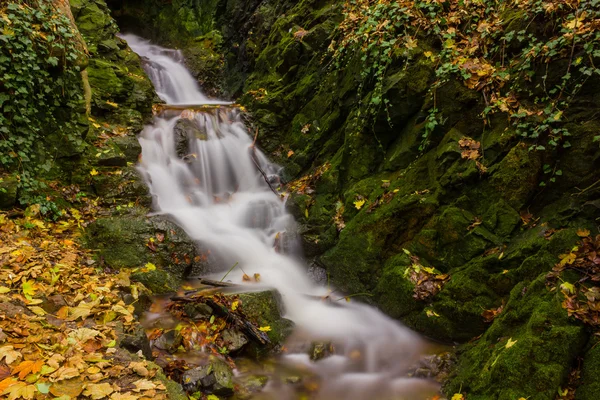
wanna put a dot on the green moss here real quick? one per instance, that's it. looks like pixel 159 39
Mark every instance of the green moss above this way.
pixel 157 281
pixel 545 344
pixel 516 177
pixel 589 388
pixel 263 308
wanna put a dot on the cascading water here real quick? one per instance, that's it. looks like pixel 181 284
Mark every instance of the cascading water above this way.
pixel 218 193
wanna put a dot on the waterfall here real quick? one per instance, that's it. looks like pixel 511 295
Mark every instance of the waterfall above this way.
pixel 204 172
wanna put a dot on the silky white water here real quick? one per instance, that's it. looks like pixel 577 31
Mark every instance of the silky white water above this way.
pixel 218 195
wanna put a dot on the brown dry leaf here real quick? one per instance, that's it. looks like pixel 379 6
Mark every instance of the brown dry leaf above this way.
pixel 9 354
pixel 65 373
pixel 70 387
pixel 55 360
pixel 82 310
pixel 98 390
pixel 143 384
pixel 84 334
pixel 491 314
pixel 139 368
pixel 123 396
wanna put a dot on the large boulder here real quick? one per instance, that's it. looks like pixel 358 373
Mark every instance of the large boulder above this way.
pixel 133 240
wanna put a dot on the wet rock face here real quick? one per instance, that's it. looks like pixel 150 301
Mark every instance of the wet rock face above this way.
pixel 215 377
pixel 184 131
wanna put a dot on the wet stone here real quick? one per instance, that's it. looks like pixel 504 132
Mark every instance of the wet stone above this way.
pixel 136 341
pixel 235 340
pixel 169 341
pixel 435 366
pixel 215 377
pixel 320 350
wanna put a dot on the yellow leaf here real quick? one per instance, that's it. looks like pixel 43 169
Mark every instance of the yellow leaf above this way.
pixel 150 267
pixel 98 391
pixel 567 287
pixel 38 311
pixel 431 313
pixel 212 397
pixel 359 203
pixel 4 289
pixel 290 153
pixel 510 343
pixel 110 103
pixel 583 232
pixel 234 305
pixel 28 289
pixel 93 172
pixel 567 259
pixel 97 126
pixel 458 396
pixel 20 390
pixel 265 329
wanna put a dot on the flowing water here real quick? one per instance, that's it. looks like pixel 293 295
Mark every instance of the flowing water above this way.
pixel 220 197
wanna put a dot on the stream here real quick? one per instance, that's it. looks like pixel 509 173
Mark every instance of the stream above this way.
pixel 220 193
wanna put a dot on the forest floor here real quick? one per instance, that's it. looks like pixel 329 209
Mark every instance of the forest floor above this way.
pixel 62 318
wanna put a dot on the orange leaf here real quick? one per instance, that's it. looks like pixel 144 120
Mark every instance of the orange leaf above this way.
pixel 27 367
pixel 6 383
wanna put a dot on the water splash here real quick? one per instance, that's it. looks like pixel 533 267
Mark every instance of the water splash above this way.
pixel 216 193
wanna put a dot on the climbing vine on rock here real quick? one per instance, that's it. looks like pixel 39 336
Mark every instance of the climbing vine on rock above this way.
pixel 40 89
pixel 528 58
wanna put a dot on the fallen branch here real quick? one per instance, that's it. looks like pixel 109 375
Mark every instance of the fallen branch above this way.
pixel 245 326
pixel 262 172
pixel 158 108
pixel 210 282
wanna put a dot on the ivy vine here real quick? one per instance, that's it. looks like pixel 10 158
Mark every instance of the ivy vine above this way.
pixel 510 51
pixel 40 91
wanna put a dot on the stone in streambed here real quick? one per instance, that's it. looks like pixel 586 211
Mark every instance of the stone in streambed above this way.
pixel 234 340
pixel 265 309
pixel 184 131
pixel 215 377
pixel 168 341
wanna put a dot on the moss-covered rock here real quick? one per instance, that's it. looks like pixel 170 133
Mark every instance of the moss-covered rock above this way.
pixel 589 388
pixel 527 352
pixel 9 186
pixel 265 309
pixel 132 240
pixel 158 281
